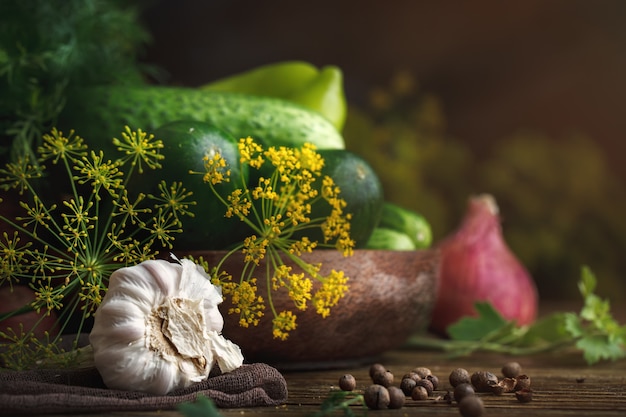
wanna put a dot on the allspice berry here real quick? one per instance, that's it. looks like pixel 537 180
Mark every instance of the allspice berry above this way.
pixel 459 376
pixel 407 384
pixel 433 380
pixel 522 382
pixel 511 369
pixel 463 390
pixel 413 375
pixel 419 393
pixel 396 397
pixel 383 378
pixel 422 371
pixel 471 406
pixel 376 397
pixel 347 382
pixel 427 385
pixel 376 368
pixel 483 381
pixel 505 385
pixel 524 395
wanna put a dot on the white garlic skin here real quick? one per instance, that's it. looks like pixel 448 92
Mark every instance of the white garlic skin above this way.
pixel 158 328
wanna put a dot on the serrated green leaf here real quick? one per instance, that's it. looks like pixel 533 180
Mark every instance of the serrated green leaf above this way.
pixel 587 283
pixel 573 325
pixel 598 347
pixel 549 329
pixel 476 328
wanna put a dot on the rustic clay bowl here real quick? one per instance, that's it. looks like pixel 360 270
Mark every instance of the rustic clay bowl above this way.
pixel 391 295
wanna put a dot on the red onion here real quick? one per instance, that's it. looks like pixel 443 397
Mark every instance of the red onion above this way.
pixel 477 265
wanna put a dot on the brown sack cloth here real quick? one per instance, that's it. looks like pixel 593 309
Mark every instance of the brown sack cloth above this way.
pixel 82 391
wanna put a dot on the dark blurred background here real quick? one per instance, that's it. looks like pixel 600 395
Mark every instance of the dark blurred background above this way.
pixel 524 100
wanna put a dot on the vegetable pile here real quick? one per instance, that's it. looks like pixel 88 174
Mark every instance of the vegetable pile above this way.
pixel 160 319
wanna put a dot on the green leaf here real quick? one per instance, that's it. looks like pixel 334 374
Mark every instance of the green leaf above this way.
pixel 587 283
pixel 202 407
pixel 598 347
pixel 549 329
pixel 476 328
pixel 573 325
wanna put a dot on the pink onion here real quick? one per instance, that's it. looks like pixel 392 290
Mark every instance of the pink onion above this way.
pixel 477 265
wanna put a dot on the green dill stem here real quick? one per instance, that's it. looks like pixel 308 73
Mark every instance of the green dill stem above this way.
pixel 268 279
pixel 463 348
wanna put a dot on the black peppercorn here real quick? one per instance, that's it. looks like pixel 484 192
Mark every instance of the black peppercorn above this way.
pixel 396 397
pixel 471 406
pixel 347 382
pixel 463 390
pixel 459 376
pixel 511 369
pixel 376 397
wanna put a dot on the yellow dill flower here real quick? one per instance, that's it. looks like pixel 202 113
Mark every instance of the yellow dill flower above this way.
pixel 215 167
pixel 56 146
pixel 238 205
pixel 250 152
pixel 278 211
pixel 282 324
pixel 333 289
pixel 304 245
pixel 140 148
pixel 19 174
pixel 254 249
pixel 247 303
pixel 94 169
pixel 265 190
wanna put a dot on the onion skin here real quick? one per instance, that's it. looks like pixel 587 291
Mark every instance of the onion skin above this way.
pixel 478 266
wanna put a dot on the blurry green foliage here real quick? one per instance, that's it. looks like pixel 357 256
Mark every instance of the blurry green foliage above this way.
pixel 561 205
pixel 402 133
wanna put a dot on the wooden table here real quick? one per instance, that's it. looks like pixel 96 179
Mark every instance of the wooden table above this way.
pixel 563 385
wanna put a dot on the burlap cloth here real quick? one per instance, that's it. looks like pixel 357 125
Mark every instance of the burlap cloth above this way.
pixel 82 391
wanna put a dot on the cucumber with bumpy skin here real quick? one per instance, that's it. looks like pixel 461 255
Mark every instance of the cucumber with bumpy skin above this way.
pixel 408 222
pixel 100 113
pixel 388 239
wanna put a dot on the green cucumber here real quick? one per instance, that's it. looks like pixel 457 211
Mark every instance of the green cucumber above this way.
pixel 408 222
pixel 360 188
pixel 100 113
pixel 388 239
pixel 185 143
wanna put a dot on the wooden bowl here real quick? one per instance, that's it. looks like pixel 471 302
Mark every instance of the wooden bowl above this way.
pixel 391 295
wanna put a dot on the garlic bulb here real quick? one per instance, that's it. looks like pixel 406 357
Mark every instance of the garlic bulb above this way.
pixel 158 328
